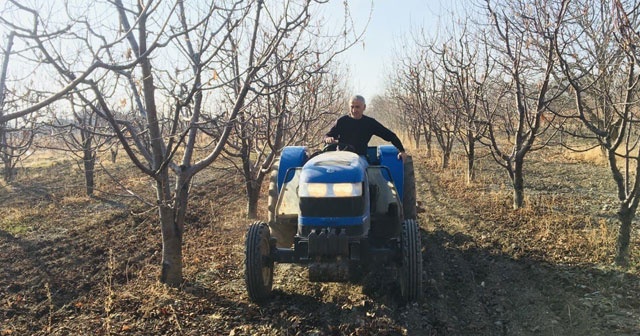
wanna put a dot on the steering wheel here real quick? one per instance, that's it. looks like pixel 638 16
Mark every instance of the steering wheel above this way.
pixel 338 146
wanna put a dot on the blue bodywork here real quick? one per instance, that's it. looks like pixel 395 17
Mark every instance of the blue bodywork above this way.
pixel 291 157
pixel 339 166
pixel 388 156
pixel 335 167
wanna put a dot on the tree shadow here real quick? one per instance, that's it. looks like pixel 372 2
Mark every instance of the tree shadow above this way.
pixel 32 191
pixel 110 202
pixel 287 312
pixel 49 270
pixel 41 269
pixel 474 290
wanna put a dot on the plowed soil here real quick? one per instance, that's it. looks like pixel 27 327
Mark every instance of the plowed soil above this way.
pixel 77 265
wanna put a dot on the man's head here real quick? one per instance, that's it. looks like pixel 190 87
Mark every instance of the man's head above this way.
pixel 357 106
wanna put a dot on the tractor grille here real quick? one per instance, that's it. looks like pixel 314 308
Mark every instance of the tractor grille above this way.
pixel 332 207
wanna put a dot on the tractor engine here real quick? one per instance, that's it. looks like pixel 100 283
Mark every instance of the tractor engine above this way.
pixel 334 213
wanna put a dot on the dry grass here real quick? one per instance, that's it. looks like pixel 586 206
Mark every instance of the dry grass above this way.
pixel 557 223
pixel 17 221
pixel 594 156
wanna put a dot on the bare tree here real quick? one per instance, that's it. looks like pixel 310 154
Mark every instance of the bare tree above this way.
pixel 424 92
pixel 146 56
pixel 83 135
pixel 411 86
pixel 16 135
pixel 288 101
pixel 5 150
pixel 467 62
pixel 599 58
pixel 447 116
pixel 525 51
pixel 294 113
pixel 16 143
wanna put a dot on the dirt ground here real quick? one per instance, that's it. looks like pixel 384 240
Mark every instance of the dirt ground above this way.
pixel 75 265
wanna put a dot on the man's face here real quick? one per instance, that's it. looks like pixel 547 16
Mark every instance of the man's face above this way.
pixel 357 108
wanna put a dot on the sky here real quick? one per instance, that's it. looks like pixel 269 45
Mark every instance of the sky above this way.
pixel 391 21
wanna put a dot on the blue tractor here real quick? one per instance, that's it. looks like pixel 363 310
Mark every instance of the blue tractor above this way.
pixel 341 215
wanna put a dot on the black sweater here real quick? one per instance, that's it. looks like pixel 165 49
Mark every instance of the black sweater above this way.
pixel 358 132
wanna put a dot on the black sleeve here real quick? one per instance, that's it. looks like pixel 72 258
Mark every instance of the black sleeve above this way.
pixel 387 135
pixel 334 132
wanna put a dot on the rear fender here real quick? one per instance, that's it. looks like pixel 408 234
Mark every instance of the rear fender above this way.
pixel 291 157
pixel 388 156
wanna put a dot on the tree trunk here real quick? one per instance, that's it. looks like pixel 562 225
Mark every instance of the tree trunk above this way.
pixel 471 153
pixel 89 161
pixel 171 273
pixel 4 148
pixel 446 156
pixel 518 185
pixel 253 195
pixel 172 216
pixel 427 141
pixel 8 172
pixel 114 153
pixel 625 215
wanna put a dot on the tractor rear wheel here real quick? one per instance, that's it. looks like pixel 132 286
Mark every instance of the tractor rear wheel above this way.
pixel 411 269
pixel 258 264
pixel 409 191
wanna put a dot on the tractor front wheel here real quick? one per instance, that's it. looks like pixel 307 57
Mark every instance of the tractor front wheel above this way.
pixel 258 264
pixel 411 269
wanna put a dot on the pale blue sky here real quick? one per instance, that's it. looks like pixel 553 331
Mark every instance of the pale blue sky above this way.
pixel 391 21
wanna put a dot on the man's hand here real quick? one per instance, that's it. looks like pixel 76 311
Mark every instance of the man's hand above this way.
pixel 402 156
pixel 330 140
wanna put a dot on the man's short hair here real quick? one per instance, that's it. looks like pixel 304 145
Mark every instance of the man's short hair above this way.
pixel 359 98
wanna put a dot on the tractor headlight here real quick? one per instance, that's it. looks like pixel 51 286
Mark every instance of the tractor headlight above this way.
pixel 313 190
pixel 346 190
pixel 330 190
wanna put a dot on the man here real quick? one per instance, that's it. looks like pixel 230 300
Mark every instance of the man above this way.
pixel 356 130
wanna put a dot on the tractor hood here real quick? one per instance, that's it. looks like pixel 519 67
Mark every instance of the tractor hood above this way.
pixel 332 167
